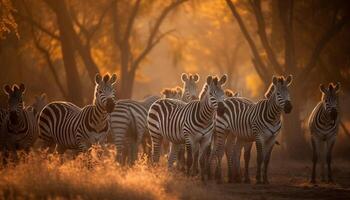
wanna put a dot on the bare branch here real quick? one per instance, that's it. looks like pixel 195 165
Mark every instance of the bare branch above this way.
pixel 152 40
pixel 257 61
pixel 132 18
pixel 321 44
pixel 256 4
pixel 150 47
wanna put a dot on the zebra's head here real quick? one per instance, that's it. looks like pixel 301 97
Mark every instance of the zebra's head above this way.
pixel 330 99
pixel 216 93
pixel 172 93
pixel 39 103
pixel 104 92
pixel 279 88
pixel 190 86
pixel 15 101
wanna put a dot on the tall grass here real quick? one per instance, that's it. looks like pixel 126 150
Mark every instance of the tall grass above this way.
pixel 39 175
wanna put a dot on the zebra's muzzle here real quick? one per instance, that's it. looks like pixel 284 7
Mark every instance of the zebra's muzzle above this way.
pixel 333 114
pixel 221 109
pixel 13 117
pixel 288 107
pixel 110 105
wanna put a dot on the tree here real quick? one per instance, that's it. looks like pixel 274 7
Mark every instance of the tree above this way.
pixel 290 64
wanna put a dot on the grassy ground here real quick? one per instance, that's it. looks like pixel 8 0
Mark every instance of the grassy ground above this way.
pixel 43 176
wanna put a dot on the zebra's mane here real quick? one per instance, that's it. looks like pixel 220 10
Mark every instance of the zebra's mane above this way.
pixel 204 91
pixel 269 91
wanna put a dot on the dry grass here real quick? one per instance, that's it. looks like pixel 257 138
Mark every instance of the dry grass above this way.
pixel 42 175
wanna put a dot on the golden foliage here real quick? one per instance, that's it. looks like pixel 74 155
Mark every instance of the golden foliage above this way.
pixel 7 21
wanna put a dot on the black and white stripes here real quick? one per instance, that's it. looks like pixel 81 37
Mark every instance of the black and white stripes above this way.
pixel 190 123
pixel 259 122
pixel 18 125
pixel 70 127
pixel 323 125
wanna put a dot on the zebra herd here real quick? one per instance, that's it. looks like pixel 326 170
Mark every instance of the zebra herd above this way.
pixel 193 130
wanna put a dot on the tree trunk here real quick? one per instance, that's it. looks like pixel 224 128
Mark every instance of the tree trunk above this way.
pixel 293 136
pixel 73 80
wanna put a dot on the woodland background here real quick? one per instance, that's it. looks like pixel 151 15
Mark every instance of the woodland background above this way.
pixel 57 47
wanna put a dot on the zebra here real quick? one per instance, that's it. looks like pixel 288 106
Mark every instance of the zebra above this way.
pixel 259 122
pixel 71 127
pixel 128 125
pixel 131 116
pixel 190 123
pixel 323 124
pixel 18 125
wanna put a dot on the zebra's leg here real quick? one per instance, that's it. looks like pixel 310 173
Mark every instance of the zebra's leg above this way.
pixel 247 150
pixel 330 145
pixel 195 159
pixel 260 157
pixel 189 152
pixel 218 153
pixel 229 151
pixel 157 140
pixel 174 148
pixel 269 147
pixel 204 157
pixel 314 159
pixel 181 158
pixel 236 166
pixel 322 155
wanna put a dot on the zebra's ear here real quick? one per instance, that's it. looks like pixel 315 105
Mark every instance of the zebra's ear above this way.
pixel 113 79
pixel 209 80
pixel 7 89
pixel 106 78
pixel 22 88
pixel 223 80
pixel 274 80
pixel 323 89
pixel 196 78
pixel 43 96
pixel 98 78
pixel 337 87
pixel 289 79
pixel 184 77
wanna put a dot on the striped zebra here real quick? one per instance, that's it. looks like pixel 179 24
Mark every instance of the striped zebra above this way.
pixel 323 124
pixel 128 124
pixel 18 125
pixel 190 123
pixel 129 119
pixel 71 127
pixel 259 122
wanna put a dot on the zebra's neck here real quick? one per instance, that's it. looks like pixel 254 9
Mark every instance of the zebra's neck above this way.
pixel 206 111
pixel 186 96
pixel 99 115
pixel 21 125
pixel 323 116
pixel 273 111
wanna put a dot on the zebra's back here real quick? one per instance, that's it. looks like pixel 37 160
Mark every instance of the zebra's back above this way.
pixel 58 123
pixel 167 117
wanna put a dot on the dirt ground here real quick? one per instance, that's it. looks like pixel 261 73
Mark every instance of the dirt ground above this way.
pixel 288 181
